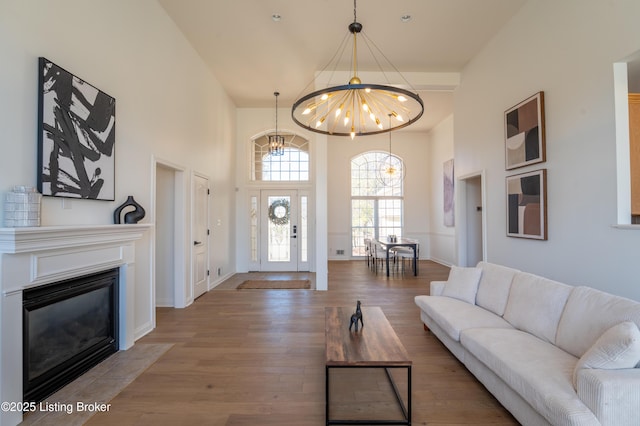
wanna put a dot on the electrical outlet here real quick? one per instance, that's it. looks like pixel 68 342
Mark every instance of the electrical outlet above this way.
pixel 340 252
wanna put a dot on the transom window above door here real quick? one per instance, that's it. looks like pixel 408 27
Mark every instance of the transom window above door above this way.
pixel 293 165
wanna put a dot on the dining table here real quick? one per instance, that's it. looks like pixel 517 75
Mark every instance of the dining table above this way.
pixel 388 244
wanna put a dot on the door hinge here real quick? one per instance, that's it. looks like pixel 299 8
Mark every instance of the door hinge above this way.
pixel 208 232
pixel 208 191
pixel 208 272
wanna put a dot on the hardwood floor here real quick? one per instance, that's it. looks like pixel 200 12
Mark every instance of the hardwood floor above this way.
pixel 256 357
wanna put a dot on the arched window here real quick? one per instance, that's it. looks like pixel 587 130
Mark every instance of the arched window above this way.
pixel 376 198
pixel 293 165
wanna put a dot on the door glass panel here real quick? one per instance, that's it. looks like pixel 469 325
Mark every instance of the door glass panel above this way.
pixel 303 229
pixel 253 214
pixel 279 229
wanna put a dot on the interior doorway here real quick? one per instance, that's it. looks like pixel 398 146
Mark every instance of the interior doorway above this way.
pixel 172 289
pixel 472 245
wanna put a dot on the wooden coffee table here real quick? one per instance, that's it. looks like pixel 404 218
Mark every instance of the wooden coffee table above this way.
pixel 375 345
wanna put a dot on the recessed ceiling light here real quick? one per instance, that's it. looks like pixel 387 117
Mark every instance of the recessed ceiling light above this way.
pixel 276 17
pixel 405 18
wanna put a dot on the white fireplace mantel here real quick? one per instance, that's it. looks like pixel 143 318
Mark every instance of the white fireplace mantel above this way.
pixel 22 240
pixel 31 257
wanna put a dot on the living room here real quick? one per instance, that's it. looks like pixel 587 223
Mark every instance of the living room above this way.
pixel 172 110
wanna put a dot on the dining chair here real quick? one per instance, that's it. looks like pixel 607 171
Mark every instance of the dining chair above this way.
pixel 380 257
pixel 367 251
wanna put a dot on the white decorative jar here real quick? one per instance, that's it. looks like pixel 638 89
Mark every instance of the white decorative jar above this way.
pixel 22 207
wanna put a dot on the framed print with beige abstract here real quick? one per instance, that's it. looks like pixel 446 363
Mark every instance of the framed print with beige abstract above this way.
pixel 527 205
pixel 524 133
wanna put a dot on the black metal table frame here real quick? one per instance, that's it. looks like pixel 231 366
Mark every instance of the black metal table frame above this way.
pixel 406 410
pixel 402 243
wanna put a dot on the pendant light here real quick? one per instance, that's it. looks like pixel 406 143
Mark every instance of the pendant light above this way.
pixel 391 170
pixel 276 141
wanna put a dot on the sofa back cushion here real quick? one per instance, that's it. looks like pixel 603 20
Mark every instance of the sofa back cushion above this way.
pixel 535 305
pixel 588 314
pixel 493 289
pixel 462 284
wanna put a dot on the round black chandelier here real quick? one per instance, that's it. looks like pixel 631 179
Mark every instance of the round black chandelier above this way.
pixel 356 108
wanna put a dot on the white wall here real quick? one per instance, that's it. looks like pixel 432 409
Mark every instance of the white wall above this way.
pixel 253 122
pixel 413 149
pixel 168 105
pixel 441 238
pixel 566 49
pixel 423 153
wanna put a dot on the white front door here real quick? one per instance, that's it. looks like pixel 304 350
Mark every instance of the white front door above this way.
pixel 283 231
pixel 200 234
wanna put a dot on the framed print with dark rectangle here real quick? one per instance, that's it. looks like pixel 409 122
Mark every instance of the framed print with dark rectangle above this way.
pixel 76 136
pixel 527 205
pixel 524 133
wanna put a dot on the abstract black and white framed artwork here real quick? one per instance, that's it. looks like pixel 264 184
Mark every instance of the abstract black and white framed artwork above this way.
pixel 76 136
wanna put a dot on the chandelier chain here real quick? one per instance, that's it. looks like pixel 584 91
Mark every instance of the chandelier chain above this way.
pixel 276 94
pixel 355 19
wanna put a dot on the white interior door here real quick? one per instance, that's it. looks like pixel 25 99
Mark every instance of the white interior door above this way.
pixel 200 234
pixel 283 231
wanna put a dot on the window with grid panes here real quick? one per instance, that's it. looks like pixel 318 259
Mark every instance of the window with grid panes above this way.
pixel 293 165
pixel 376 203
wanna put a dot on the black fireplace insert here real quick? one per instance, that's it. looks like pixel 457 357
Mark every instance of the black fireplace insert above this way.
pixel 68 327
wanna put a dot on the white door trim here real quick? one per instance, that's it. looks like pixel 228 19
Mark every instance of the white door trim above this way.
pixel 181 294
pixel 462 225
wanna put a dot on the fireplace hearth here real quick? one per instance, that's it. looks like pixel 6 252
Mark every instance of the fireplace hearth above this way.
pixel 68 327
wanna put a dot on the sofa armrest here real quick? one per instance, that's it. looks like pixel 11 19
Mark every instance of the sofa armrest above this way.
pixel 436 288
pixel 612 395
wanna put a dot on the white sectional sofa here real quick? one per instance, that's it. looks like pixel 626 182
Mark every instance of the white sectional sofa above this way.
pixel 549 352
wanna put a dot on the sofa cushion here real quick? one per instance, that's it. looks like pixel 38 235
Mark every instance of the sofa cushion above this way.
pixel 453 315
pixel 535 305
pixel 436 288
pixel 617 348
pixel 538 371
pixel 493 289
pixel 588 314
pixel 463 284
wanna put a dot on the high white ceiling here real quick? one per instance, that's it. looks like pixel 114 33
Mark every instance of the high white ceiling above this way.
pixel 252 55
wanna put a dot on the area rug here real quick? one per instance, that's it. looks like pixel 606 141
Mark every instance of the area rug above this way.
pixel 275 284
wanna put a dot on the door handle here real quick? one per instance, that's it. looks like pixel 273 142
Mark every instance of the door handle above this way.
pixel 195 243
pixel 294 236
